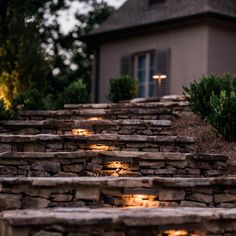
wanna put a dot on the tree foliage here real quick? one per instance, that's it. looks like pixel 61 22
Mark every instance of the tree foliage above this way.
pixel 36 55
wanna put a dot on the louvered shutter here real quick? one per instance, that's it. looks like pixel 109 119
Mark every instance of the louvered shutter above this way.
pixel 163 68
pixel 126 65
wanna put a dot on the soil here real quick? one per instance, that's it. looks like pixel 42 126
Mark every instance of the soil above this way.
pixel 190 124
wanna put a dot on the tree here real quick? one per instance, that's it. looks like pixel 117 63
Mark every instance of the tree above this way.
pixel 22 60
pixel 34 53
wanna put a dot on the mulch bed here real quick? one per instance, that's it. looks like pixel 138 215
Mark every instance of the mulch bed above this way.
pixel 190 124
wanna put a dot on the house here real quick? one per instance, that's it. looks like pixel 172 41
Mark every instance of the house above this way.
pixel 180 39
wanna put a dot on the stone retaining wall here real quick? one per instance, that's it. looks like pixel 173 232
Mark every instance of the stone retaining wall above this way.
pixel 55 143
pixel 116 222
pixel 69 127
pixel 124 164
pixel 95 192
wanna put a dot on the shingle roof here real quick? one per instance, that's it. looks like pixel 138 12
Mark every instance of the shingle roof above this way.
pixel 139 13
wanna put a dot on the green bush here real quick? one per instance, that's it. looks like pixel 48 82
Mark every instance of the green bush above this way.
pixel 223 114
pixel 30 100
pixel 4 113
pixel 123 88
pixel 76 92
pixel 200 92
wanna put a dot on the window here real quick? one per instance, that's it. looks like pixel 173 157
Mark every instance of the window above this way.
pixel 144 70
pixel 142 66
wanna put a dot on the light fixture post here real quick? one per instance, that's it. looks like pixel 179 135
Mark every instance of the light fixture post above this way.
pixel 159 79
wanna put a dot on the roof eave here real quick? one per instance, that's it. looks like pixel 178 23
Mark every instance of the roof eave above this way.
pixel 97 38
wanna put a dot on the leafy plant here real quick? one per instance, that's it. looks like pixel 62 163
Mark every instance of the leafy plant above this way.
pixel 30 100
pixel 223 114
pixel 200 92
pixel 4 113
pixel 76 92
pixel 123 88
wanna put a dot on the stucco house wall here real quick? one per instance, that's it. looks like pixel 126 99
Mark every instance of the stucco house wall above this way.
pixel 222 48
pixel 188 46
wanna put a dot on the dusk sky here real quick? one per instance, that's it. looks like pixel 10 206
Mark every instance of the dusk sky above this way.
pixel 67 19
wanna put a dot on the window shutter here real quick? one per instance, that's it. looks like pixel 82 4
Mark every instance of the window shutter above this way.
pixel 163 68
pixel 127 65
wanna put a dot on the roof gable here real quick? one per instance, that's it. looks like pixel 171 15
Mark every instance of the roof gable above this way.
pixel 139 12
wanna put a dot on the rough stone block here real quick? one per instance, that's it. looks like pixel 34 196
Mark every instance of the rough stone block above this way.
pixel 34 148
pixel 87 194
pixel 169 195
pixel 51 166
pixel 10 201
pixel 74 168
pixel 201 197
pixel 224 197
pixel 35 203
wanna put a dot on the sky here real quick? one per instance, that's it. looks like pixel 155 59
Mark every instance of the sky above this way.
pixel 66 17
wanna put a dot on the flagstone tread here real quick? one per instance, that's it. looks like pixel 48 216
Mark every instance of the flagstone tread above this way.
pixel 94 112
pixel 128 217
pixel 108 142
pixel 118 222
pixel 143 182
pixel 79 123
pixel 159 156
pixel 126 105
pixel 8 138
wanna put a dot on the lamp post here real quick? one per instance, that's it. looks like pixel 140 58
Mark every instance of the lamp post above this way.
pixel 159 78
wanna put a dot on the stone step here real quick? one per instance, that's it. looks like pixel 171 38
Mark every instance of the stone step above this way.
pixel 106 142
pixel 111 163
pixel 94 192
pixel 177 105
pixel 128 113
pixel 145 111
pixel 119 222
pixel 137 127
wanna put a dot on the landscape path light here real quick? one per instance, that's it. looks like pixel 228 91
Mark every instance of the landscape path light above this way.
pixel 159 78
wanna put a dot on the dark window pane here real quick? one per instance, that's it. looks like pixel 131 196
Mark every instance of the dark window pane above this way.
pixel 152 89
pixel 141 62
pixel 141 91
pixel 141 76
pixel 152 60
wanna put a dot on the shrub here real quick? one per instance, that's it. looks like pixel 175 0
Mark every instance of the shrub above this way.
pixel 200 92
pixel 76 92
pixel 223 114
pixel 4 113
pixel 30 100
pixel 123 88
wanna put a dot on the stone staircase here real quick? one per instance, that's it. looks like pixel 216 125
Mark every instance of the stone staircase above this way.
pixel 113 170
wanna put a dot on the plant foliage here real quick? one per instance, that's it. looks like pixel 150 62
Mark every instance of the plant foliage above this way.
pixel 214 98
pixel 200 92
pixel 223 115
pixel 123 88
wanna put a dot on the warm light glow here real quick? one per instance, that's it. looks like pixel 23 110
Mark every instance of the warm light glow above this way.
pixel 159 77
pixel 95 118
pixel 139 200
pixel 81 132
pixel 99 147
pixel 178 233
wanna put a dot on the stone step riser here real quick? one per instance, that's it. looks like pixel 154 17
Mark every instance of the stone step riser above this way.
pixel 106 142
pixel 20 193
pixel 151 222
pixel 134 127
pixel 111 164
